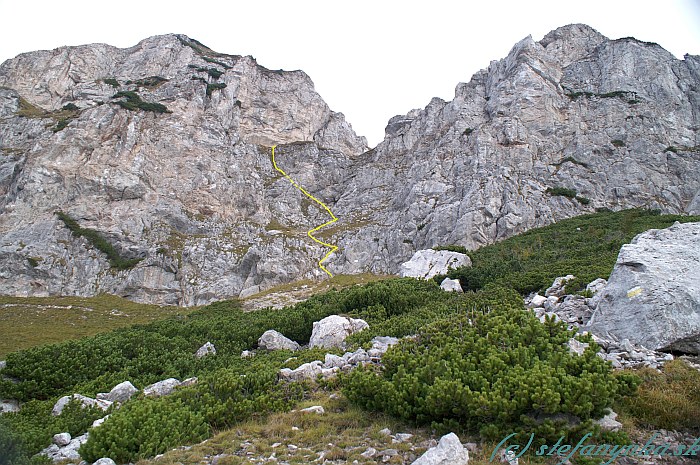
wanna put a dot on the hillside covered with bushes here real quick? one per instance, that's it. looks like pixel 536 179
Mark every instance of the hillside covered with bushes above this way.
pixel 477 363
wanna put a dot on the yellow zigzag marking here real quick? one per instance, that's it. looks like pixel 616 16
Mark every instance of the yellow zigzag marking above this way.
pixel 313 230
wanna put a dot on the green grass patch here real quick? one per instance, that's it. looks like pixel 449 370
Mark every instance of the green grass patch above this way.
pixel 116 261
pixel 585 246
pixel 34 321
pixel 668 400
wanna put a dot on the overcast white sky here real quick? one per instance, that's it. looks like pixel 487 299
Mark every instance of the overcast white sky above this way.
pixel 370 59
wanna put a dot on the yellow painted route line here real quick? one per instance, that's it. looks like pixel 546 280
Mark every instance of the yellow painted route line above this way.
pixel 313 230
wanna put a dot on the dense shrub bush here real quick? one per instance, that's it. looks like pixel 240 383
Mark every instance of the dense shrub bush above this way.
pixel 452 248
pixel 133 102
pixel 100 243
pixel 561 191
pixel 490 370
pixel 214 86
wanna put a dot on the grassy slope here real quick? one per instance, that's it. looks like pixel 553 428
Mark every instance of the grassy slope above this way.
pixel 585 246
pixel 33 321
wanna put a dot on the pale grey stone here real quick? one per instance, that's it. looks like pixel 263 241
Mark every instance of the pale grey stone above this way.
pixel 206 349
pixel 609 422
pixel 189 382
pixel 577 347
pixel 309 370
pixel 428 263
pixel 653 294
pixel 119 393
pixel 247 354
pixel 449 451
pixel 9 406
pixel 62 439
pixel 332 360
pixel 451 285
pixel 84 401
pixel 161 388
pixel 273 340
pixel 557 287
pixel 538 300
pixel 104 461
pixel 314 409
pixel 99 421
pixel 3 364
pixel 333 330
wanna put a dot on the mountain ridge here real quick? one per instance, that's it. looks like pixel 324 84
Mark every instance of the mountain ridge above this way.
pixel 193 192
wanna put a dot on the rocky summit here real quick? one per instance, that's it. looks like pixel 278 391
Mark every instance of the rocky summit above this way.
pixel 146 172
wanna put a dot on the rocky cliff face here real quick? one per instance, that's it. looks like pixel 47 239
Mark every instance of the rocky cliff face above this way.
pixel 193 193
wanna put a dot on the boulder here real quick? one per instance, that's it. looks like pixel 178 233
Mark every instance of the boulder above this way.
pixel 85 401
pixel 273 340
pixel 653 294
pixel 428 263
pixel 449 451
pixel 333 330
pixel 537 300
pixel 557 289
pixel 451 285
pixel 9 406
pixel 3 364
pixel 596 285
pixel 62 439
pixel 119 393
pixel 67 452
pixel 247 354
pixel 105 461
pixel 206 349
pixel 161 388
pixel 333 361
pixel 309 370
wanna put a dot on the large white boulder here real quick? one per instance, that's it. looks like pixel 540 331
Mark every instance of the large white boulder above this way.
pixel 161 388
pixel 653 295
pixel 273 340
pixel 428 263
pixel 67 452
pixel 449 451
pixel 333 330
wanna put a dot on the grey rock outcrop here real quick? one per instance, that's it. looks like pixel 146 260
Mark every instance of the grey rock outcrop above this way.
pixel 193 193
pixel 449 451
pixel 653 295
pixel 161 388
pixel 428 263
pixel 273 340
pixel 333 330
pixel 558 287
pixel 206 349
pixel 119 393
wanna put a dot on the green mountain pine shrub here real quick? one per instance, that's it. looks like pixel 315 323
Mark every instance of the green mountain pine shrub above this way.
pixel 493 370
